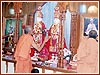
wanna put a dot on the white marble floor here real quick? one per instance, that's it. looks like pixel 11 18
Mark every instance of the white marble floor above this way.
pixel 11 68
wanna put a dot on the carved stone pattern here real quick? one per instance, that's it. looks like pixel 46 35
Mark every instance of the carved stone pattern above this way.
pixel 74 33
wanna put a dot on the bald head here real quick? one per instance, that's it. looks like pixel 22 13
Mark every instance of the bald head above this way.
pixel 93 34
pixel 27 29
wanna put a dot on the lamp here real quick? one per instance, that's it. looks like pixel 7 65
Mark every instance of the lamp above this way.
pixel 20 10
pixel 11 11
pixel 93 9
pixel 83 8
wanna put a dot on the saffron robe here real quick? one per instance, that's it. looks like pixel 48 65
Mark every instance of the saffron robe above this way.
pixel 22 54
pixel 87 56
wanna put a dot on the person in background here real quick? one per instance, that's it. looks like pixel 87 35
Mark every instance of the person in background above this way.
pixel 22 52
pixel 35 71
pixel 87 54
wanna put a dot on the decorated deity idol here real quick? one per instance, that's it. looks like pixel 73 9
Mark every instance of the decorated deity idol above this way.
pixel 39 31
pixel 39 28
pixel 54 32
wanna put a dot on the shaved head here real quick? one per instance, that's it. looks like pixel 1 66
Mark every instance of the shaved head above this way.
pixel 93 34
pixel 27 29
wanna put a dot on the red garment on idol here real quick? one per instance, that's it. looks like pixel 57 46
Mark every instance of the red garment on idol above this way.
pixel 46 47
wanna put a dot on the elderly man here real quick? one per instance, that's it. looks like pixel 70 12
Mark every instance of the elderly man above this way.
pixel 90 27
pixel 87 54
pixel 22 53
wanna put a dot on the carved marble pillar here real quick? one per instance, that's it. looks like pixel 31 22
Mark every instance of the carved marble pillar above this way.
pixel 75 31
pixel 61 41
pixel 17 6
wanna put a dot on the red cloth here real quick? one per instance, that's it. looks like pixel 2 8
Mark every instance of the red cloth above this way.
pixel 32 52
pixel 47 44
pixel 69 67
pixel 23 26
pixel 65 44
pixel 43 27
pixel 44 53
pixel 43 36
